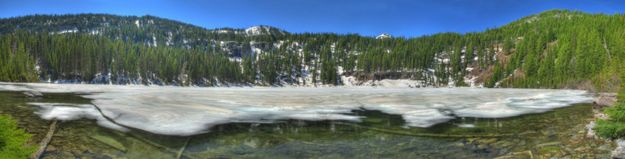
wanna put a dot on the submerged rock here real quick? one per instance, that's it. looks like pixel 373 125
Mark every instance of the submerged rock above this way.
pixel 619 152
pixel 590 132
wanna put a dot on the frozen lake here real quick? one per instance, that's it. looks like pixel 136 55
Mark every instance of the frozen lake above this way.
pixel 184 111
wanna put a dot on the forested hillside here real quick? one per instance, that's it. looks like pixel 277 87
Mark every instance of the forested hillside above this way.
pixel 554 49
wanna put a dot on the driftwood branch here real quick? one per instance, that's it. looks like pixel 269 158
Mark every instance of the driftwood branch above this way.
pixel 179 154
pixel 44 143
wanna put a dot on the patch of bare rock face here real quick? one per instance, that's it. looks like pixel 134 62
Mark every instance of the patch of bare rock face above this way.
pixel 605 99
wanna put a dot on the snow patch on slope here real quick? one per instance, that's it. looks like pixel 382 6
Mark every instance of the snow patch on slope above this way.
pixel 137 23
pixel 383 36
pixel 67 31
pixel 255 30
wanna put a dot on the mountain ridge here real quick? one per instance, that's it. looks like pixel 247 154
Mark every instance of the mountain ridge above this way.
pixel 553 12
pixel 508 56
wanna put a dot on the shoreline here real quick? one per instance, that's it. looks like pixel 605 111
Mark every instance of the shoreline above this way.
pixel 601 101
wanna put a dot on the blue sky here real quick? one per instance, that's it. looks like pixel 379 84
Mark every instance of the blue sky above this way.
pixel 407 18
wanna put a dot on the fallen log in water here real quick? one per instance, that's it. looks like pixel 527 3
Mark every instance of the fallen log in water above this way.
pixel 44 143
pixel 144 140
pixel 183 148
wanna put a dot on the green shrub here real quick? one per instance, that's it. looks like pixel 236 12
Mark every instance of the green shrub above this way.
pixel 13 141
pixel 610 129
pixel 616 113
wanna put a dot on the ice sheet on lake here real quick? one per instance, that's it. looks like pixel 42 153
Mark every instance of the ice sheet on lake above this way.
pixel 65 111
pixel 192 110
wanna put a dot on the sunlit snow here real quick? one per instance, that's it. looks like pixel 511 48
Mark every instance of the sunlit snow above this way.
pixel 191 110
